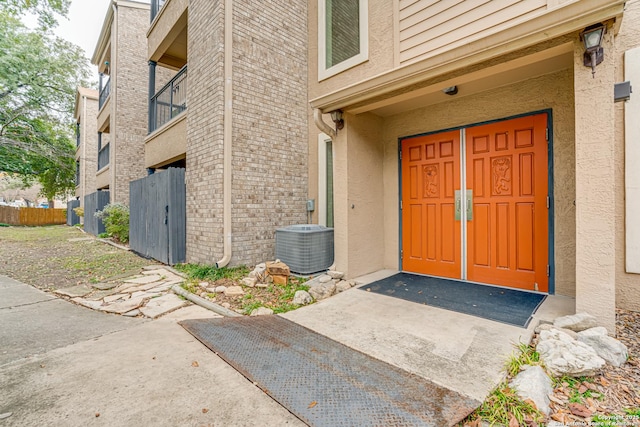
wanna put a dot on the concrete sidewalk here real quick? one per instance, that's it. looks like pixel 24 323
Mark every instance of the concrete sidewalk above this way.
pixel 458 351
pixel 65 365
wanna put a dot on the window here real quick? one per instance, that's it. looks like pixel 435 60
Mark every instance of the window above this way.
pixel 342 35
pixel 325 180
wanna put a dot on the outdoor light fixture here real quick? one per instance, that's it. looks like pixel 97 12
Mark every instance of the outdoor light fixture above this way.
pixel 593 53
pixel 452 90
pixel 336 116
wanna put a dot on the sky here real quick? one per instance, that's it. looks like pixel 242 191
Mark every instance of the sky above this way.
pixel 82 25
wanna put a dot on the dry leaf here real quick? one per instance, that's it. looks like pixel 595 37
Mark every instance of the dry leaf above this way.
pixel 513 422
pixel 97 414
pixel 195 364
pixel 312 404
pixel 205 410
pixel 42 366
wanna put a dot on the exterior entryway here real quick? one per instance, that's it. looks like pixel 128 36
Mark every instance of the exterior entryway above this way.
pixel 475 203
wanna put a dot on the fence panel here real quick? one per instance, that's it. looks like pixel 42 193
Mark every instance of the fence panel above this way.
pixel 72 217
pixel 93 203
pixel 32 216
pixel 9 215
pixel 157 222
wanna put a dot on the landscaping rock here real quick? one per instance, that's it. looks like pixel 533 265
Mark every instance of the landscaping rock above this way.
pixel 103 286
pixel 534 384
pixel 203 285
pixel 220 289
pixel 323 291
pixel 608 348
pixel 132 313
pixel 549 326
pixel 123 306
pixel 249 281
pixel 562 355
pixel 234 291
pixel 342 286
pixel 278 269
pixel 576 322
pixel 225 305
pixel 280 280
pixel 325 278
pixel 261 311
pixel 314 282
pixel 302 298
pixel 335 274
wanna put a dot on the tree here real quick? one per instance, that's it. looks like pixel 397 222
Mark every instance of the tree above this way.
pixel 39 74
pixel 45 10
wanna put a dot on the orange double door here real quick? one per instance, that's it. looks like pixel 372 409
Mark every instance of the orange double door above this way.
pixel 475 204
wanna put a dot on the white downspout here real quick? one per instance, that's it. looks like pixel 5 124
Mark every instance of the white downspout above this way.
pixel 320 124
pixel 228 134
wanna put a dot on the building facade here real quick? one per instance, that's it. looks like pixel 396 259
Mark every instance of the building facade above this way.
pixel 478 145
pixel 120 55
pixel 85 113
pixel 234 114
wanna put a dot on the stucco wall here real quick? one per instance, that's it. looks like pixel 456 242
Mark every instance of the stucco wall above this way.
pixel 627 285
pixel 381 48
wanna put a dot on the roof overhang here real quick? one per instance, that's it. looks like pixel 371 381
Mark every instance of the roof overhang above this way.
pixel 553 23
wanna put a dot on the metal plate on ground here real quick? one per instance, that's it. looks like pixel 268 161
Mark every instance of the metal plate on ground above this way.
pixel 323 382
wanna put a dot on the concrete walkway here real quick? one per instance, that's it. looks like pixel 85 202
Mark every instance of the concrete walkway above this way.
pixel 65 365
pixel 458 351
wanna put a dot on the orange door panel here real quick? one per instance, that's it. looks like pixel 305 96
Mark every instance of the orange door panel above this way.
pixel 431 242
pixel 507 171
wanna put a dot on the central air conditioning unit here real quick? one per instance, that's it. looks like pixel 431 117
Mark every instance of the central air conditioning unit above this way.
pixel 305 248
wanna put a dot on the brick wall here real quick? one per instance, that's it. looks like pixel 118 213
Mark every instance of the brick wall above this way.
pixel 88 148
pixel 130 109
pixel 269 184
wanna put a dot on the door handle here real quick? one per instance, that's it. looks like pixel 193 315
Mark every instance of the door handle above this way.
pixel 469 205
pixel 458 204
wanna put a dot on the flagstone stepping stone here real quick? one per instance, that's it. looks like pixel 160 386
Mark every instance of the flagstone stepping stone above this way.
pixel 104 286
pixel 74 291
pixel 124 306
pixel 144 279
pixel 156 307
pixel 94 305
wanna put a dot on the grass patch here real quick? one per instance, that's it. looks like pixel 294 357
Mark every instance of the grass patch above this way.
pixel 572 384
pixel 211 273
pixel 248 307
pixel 525 355
pixel 503 405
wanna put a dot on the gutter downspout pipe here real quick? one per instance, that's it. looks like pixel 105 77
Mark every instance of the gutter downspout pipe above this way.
pixel 320 124
pixel 228 134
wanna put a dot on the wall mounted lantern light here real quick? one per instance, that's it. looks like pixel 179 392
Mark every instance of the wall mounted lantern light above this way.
pixel 594 52
pixel 336 116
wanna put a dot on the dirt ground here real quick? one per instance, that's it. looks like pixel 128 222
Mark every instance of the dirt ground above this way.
pixel 59 256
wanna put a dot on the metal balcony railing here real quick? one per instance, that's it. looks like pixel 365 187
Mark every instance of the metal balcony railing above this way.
pixel 104 93
pixel 169 101
pixel 156 5
pixel 103 156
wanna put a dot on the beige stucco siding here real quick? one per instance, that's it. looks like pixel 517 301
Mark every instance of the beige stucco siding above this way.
pixel 553 92
pixel 627 285
pixel 381 49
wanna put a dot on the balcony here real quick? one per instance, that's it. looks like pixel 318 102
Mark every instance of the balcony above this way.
pixel 169 101
pixel 77 135
pixel 103 157
pixel 156 5
pixel 104 94
pixel 167 35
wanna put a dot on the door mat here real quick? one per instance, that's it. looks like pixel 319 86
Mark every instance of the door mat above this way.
pixel 510 306
pixel 323 382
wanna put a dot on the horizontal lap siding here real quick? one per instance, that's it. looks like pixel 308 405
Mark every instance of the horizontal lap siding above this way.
pixel 429 27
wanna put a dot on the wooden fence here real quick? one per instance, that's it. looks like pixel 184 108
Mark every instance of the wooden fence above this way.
pixel 32 216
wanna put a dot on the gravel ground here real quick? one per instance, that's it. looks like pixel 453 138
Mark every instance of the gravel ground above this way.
pixel 56 257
